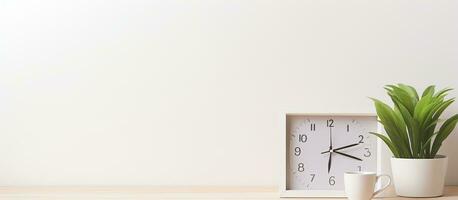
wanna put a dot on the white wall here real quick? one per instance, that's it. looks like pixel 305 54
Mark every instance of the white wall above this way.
pixel 183 92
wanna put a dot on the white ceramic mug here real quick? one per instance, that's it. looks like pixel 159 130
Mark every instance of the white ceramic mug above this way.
pixel 360 185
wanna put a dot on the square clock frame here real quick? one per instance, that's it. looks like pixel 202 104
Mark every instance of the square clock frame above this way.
pixel 319 148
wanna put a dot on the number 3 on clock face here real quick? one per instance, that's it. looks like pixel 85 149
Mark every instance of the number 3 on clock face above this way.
pixel 321 148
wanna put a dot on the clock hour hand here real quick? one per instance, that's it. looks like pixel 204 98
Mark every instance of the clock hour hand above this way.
pixel 348 146
pixel 340 148
pixel 350 156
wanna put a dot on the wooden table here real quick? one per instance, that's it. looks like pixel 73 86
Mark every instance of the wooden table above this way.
pixel 168 193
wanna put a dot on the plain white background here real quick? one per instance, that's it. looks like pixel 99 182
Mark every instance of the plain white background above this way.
pixel 183 92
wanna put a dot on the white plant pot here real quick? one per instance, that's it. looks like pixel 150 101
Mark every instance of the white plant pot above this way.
pixel 419 177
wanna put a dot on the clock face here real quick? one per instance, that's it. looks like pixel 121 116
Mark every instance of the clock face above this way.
pixel 320 149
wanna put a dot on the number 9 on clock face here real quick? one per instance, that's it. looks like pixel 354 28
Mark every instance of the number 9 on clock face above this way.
pixel 321 148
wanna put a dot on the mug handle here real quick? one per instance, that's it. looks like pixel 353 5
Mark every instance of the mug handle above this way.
pixel 384 187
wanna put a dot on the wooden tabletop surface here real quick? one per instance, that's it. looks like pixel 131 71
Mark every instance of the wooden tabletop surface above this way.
pixel 168 193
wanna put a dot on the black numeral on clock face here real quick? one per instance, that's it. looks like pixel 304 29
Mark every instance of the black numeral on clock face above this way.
pixel 297 151
pixel 348 128
pixel 312 177
pixel 332 180
pixel 312 127
pixel 361 137
pixel 330 123
pixel 368 153
pixel 302 138
pixel 300 167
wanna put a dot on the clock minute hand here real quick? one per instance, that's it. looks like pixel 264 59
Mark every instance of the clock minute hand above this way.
pixel 350 156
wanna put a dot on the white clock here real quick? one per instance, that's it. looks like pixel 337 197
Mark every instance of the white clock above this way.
pixel 320 148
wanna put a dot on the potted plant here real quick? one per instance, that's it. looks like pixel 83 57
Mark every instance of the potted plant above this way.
pixel 414 137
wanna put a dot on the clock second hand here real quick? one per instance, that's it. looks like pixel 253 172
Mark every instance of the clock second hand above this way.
pixel 330 149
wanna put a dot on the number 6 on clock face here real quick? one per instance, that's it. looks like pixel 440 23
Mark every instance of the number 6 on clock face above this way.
pixel 320 148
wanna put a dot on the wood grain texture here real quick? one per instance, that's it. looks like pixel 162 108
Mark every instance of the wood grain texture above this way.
pixel 169 193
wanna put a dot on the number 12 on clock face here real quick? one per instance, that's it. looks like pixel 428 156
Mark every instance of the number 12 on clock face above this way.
pixel 321 148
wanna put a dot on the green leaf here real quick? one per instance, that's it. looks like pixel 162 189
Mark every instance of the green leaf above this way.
pixel 442 107
pixel 422 105
pixel 401 97
pixel 413 128
pixel 427 145
pixel 429 90
pixel 443 92
pixel 444 132
pixel 388 119
pixel 411 90
pixel 388 143
pixel 411 123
